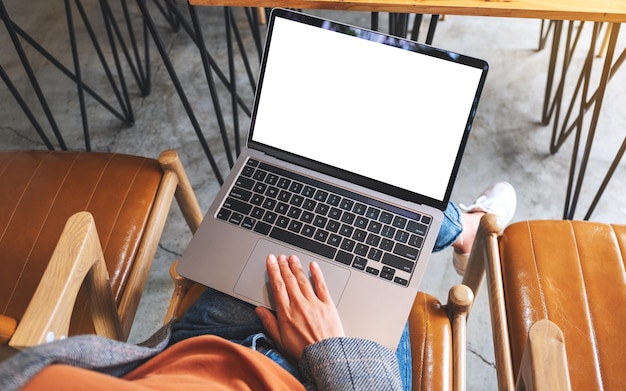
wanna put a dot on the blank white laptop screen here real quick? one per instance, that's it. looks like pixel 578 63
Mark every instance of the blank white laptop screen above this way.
pixel 376 110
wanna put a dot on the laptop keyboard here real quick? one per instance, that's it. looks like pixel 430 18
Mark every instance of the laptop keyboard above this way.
pixel 337 224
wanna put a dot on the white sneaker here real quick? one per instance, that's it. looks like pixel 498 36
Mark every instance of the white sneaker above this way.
pixel 499 199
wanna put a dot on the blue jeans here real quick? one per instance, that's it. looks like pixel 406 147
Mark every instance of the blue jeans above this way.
pixel 218 314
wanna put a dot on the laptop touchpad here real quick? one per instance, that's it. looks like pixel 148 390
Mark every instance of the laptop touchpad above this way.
pixel 253 281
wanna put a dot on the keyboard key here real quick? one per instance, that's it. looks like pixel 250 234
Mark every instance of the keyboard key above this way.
pixel 240 194
pixel 223 214
pixel 359 235
pixel 334 240
pixel 385 217
pixel 374 226
pixel 294 226
pixel 257 213
pixel 308 191
pixel 344 257
pixel 348 217
pixel 402 236
pixel 236 218
pixel 372 213
pixel 262 228
pixel 282 208
pixel 284 196
pixel 334 213
pixel 333 226
pixel 359 208
pixel 322 209
pixel 346 230
pixel 284 183
pixel 270 217
pixel 346 204
pixel 361 222
pixel 398 263
pixel 388 231
pixel 247 171
pixel 282 221
pixel 237 205
pixel 361 249
pixel 309 204
pixel 244 182
pixel 296 187
pixel 371 270
pixel 269 203
pixel 416 228
pixel 260 187
pixel 307 217
pixel 426 220
pixel 386 245
pixel 333 200
pixel 373 240
pixel 347 244
pixel 294 212
pixel 375 254
pixel 406 251
pixel 271 179
pixel 416 241
pixel 401 281
pixel 256 199
pixel 296 200
pixel 248 222
pixel 359 263
pixel 321 195
pixel 259 175
pixel 303 243
pixel 320 221
pixel 272 192
pixel 321 235
pixel 308 231
pixel 399 222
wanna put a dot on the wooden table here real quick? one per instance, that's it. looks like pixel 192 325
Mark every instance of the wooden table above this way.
pixel 557 11
pixel 589 10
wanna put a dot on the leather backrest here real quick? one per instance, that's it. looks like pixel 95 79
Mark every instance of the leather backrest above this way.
pixel 40 190
pixel 571 273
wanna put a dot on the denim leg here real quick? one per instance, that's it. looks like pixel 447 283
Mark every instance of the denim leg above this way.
pixel 403 354
pixel 451 228
pixel 216 313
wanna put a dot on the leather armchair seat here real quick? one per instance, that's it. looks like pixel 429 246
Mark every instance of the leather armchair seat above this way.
pixel 40 190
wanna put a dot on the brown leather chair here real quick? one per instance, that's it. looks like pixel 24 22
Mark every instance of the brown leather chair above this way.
pixel 438 335
pixel 555 287
pixel 129 198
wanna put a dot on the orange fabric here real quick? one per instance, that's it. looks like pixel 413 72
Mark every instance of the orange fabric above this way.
pixel 200 363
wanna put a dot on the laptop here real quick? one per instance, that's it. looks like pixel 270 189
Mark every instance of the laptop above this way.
pixel 354 144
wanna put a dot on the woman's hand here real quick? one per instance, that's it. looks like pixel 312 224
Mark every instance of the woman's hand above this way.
pixel 305 314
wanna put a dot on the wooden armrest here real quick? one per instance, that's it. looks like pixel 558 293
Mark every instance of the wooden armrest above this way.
pixel 77 257
pixel 544 363
pixel 460 299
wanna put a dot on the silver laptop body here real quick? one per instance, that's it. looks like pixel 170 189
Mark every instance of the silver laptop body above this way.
pixel 355 141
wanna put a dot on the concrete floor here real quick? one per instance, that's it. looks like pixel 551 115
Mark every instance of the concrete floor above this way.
pixel 507 141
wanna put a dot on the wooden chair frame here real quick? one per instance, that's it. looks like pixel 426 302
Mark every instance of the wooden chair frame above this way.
pixel 544 362
pixel 78 259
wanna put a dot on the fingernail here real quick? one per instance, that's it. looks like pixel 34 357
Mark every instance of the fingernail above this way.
pixel 271 259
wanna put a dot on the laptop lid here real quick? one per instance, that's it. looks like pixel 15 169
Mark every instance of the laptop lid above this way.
pixel 313 108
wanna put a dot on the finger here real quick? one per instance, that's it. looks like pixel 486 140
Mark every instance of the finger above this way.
pixel 289 279
pixel 269 322
pixel 277 284
pixel 321 288
pixel 303 280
